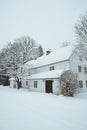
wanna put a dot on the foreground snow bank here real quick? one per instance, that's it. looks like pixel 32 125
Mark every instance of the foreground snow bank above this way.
pixel 23 110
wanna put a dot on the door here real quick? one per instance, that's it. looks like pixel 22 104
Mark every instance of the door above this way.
pixel 48 86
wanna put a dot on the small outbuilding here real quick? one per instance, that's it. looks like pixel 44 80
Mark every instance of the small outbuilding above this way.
pixel 12 82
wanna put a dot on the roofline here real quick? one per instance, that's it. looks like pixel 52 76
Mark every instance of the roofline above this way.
pixel 72 53
pixel 42 78
pixel 49 64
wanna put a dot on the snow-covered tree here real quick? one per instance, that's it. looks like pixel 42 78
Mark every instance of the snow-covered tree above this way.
pixel 40 51
pixel 68 83
pixel 81 29
pixel 81 35
pixel 18 52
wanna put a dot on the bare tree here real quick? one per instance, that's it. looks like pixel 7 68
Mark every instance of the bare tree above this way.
pixel 81 30
pixel 27 48
pixel 68 83
pixel 81 36
pixel 18 52
pixel 40 51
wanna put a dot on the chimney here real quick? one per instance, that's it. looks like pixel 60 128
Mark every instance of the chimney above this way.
pixel 48 52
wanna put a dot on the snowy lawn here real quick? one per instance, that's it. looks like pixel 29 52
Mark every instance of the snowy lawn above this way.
pixel 23 110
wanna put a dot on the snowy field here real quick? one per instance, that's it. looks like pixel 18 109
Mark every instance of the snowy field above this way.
pixel 23 110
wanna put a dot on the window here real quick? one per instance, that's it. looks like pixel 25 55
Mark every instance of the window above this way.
pixel 86 58
pixel 86 83
pixel 51 68
pixel 85 69
pixel 8 65
pixel 35 84
pixel 80 84
pixel 80 58
pixel 29 73
pixel 79 69
pixel 26 82
pixel 21 69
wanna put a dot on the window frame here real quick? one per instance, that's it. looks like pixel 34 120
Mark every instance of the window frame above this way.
pixel 51 68
pixel 29 73
pixel 80 83
pixel 80 58
pixel 26 83
pixel 86 83
pixel 35 84
pixel 79 68
pixel 85 69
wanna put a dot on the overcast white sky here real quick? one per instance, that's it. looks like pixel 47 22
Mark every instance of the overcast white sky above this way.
pixel 49 22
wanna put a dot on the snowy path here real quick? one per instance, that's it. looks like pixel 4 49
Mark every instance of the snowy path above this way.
pixel 23 110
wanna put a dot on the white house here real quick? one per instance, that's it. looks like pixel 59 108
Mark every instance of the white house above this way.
pixel 43 73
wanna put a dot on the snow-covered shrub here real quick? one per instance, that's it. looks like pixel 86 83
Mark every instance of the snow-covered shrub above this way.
pixel 68 83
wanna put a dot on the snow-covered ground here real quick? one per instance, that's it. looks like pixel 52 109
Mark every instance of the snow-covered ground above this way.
pixel 23 110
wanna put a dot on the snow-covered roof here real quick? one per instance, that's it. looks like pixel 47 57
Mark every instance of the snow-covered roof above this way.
pixel 12 79
pixel 47 75
pixel 60 54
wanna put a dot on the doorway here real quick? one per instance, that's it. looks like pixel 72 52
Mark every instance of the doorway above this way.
pixel 48 86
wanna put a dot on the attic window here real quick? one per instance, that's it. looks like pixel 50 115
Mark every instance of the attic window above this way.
pixel 51 68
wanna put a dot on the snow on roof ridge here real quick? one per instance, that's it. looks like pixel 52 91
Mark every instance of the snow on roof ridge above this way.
pixel 12 78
